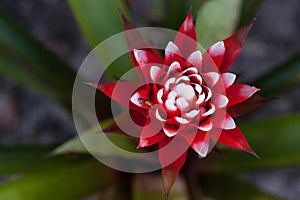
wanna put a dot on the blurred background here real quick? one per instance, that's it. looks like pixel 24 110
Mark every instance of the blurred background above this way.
pixel 30 117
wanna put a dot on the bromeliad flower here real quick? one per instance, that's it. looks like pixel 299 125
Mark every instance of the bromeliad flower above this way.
pixel 185 95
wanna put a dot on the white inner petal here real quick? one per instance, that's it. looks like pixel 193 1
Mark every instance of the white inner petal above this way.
pixel 191 70
pixel 172 96
pixel 135 99
pixel 175 66
pixel 159 96
pixel 202 147
pixel 198 88
pixel 185 91
pixel 228 79
pixel 217 49
pixel 169 132
pixel 182 79
pixel 159 117
pixel 192 113
pixel 211 78
pixel 170 105
pixel 229 123
pixel 154 72
pixel 197 78
pixel 206 126
pixel 169 82
pixel 182 120
pixel 221 101
pixel 209 94
pixel 140 56
pixel 195 58
pixel 210 111
pixel 200 99
pixel 171 48
pixel 182 103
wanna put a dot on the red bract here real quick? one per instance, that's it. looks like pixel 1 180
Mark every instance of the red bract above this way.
pixel 181 96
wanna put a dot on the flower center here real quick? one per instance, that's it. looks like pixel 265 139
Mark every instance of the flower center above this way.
pixel 185 91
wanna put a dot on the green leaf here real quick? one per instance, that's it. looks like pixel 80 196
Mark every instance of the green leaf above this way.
pixel 93 138
pixel 17 159
pixel 27 61
pixel 276 141
pixel 230 187
pixel 111 147
pixel 100 20
pixel 50 178
pixel 98 143
pixel 281 77
pixel 217 20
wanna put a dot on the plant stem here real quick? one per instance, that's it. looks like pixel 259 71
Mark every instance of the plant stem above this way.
pixel 191 176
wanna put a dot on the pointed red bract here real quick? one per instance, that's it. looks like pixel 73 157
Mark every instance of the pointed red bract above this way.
pixel 201 143
pixel 186 39
pixel 146 140
pixel 238 93
pixel 170 172
pixel 216 53
pixel 233 46
pixel 137 41
pixel 119 92
pixel 151 133
pixel 235 139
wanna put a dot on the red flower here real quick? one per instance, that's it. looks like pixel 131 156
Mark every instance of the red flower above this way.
pixel 183 97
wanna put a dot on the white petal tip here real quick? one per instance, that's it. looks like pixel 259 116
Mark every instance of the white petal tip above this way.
pixel 169 133
pixel 195 58
pixel 154 72
pixel 172 48
pixel 218 49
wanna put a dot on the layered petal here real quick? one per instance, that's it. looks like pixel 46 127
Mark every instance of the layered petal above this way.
pixel 216 53
pixel 238 93
pixel 201 143
pixel 172 53
pixel 140 97
pixel 146 59
pixel 228 79
pixel 195 59
pixel 147 138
